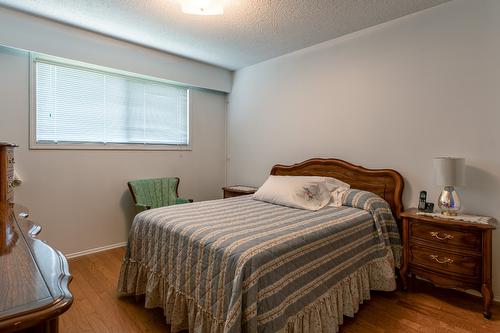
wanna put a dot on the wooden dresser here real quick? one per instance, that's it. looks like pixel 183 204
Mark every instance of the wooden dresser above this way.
pixel 34 277
pixel 6 172
pixel 448 253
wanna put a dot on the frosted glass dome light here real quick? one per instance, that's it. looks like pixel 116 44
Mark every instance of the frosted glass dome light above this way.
pixel 203 7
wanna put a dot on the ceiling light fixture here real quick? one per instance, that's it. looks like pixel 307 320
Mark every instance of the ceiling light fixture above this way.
pixel 202 7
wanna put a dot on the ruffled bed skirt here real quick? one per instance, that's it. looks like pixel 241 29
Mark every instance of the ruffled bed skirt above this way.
pixel 323 315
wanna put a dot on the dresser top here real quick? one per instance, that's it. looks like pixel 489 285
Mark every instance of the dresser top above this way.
pixel 34 280
pixel 491 223
pixel 6 144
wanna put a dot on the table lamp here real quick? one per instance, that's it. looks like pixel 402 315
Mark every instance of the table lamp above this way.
pixel 449 172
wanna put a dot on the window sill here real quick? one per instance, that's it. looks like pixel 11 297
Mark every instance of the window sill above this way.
pixel 99 146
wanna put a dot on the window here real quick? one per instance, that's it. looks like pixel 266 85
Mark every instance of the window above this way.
pixel 79 106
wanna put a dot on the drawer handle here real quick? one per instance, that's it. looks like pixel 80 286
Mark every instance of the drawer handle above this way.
pixel 444 261
pixel 436 235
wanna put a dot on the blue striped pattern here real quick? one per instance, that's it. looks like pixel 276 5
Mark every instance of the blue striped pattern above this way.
pixel 244 265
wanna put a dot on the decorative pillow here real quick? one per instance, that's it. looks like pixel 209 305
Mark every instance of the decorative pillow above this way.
pixel 337 196
pixel 331 183
pixel 336 187
pixel 294 192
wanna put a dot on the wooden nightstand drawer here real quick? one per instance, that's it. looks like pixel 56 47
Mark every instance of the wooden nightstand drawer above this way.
pixel 446 236
pixel 458 264
pixel 230 194
pixel 449 253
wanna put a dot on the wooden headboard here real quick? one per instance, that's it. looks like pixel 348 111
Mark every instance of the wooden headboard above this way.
pixel 386 183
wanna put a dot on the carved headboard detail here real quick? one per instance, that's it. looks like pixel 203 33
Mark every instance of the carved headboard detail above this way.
pixel 386 183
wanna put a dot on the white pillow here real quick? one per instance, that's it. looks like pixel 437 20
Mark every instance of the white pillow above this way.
pixel 337 196
pixel 336 187
pixel 331 183
pixel 294 192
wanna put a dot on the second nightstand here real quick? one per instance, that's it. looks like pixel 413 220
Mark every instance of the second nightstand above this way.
pixel 237 190
pixel 448 253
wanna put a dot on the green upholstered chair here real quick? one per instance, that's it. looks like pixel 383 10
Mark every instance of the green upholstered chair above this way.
pixel 156 192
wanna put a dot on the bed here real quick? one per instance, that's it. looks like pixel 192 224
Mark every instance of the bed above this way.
pixel 242 265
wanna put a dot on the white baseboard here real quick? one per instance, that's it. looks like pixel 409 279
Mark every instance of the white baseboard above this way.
pixel 95 250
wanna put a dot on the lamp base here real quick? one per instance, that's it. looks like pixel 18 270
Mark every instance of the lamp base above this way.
pixel 449 201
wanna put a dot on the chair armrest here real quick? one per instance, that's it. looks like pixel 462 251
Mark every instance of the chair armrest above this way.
pixel 141 207
pixel 180 200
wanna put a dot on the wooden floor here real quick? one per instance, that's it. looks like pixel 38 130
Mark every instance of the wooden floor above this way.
pixel 97 309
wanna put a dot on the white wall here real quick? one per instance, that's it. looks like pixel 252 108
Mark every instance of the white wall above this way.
pixel 37 34
pixel 80 198
pixel 394 96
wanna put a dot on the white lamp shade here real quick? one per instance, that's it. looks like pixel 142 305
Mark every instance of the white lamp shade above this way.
pixel 449 171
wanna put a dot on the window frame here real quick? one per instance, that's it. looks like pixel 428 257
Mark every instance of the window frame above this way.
pixel 33 144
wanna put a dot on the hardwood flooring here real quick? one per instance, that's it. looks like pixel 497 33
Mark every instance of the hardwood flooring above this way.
pixel 97 309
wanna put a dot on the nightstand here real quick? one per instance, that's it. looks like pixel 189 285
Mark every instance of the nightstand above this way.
pixel 448 253
pixel 237 190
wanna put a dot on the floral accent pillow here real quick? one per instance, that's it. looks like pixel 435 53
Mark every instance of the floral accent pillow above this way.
pixel 294 192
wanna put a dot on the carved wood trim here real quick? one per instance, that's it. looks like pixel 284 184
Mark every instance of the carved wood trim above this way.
pixel 386 183
pixel 52 267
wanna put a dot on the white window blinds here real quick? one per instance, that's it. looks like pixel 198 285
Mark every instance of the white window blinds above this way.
pixel 81 105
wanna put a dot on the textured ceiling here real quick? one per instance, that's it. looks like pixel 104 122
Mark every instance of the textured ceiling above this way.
pixel 250 31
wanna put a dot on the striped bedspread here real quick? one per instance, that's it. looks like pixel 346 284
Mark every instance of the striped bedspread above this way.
pixel 241 265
